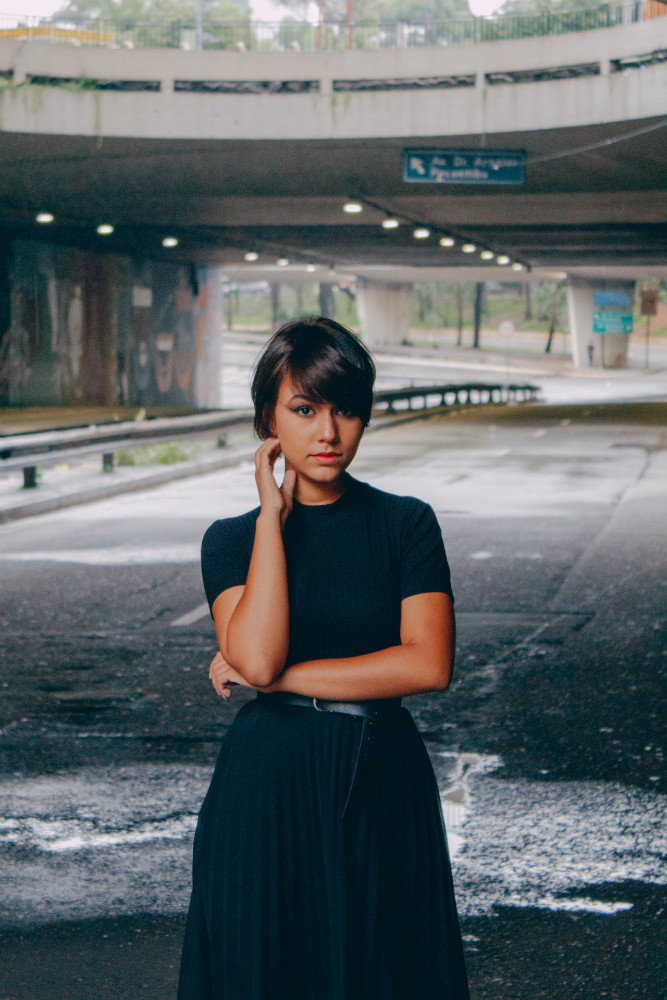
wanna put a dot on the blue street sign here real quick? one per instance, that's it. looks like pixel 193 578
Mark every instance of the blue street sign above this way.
pixel 619 298
pixel 464 166
pixel 612 321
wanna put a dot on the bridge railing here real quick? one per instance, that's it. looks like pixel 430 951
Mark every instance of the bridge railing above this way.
pixel 245 34
pixel 454 394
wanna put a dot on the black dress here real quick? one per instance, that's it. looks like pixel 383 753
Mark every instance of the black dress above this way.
pixel 320 872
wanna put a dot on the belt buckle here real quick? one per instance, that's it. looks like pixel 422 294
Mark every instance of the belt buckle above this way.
pixel 316 706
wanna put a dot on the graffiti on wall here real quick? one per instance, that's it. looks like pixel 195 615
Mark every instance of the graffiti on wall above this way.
pixel 99 329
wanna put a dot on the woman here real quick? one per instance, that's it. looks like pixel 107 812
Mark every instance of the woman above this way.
pixel 320 861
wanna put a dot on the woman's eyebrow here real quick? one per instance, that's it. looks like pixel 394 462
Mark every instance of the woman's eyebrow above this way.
pixel 298 396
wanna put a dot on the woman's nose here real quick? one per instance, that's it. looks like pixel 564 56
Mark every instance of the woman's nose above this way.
pixel 328 430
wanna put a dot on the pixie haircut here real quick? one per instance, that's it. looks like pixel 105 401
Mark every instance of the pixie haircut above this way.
pixel 326 362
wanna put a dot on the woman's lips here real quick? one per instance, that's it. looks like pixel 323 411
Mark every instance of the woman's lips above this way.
pixel 327 457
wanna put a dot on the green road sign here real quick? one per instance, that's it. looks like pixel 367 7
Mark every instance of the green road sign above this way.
pixel 612 321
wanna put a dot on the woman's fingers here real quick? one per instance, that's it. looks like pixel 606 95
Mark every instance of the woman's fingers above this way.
pixel 271 497
pixel 218 673
pixel 267 453
pixel 287 490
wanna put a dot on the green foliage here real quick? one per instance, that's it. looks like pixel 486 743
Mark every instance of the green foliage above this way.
pixel 409 10
pixel 388 10
pixel 544 6
pixel 164 454
pixel 153 10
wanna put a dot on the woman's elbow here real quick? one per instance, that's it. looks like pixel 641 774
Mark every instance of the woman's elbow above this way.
pixel 261 673
pixel 444 672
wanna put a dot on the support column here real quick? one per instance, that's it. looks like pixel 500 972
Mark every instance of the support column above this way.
pixel 208 347
pixel 600 317
pixel 384 311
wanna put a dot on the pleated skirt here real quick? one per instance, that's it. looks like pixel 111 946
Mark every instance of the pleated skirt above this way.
pixel 320 865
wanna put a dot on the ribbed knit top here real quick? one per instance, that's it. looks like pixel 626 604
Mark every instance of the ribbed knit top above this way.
pixel 349 565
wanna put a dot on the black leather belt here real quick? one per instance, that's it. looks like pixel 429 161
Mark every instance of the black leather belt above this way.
pixel 377 710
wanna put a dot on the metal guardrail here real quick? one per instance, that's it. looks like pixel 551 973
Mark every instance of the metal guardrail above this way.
pixel 47 447
pixel 398 401
pixel 245 34
pixel 29 450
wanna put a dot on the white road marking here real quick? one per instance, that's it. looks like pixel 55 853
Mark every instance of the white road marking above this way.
pixel 119 555
pixel 76 835
pixel 572 905
pixel 193 616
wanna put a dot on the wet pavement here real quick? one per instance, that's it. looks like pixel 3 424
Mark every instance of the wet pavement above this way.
pixel 548 747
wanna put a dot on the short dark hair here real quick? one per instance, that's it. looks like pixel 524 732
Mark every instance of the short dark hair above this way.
pixel 327 362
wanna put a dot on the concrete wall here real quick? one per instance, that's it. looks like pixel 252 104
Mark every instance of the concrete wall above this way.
pixel 99 329
pixel 633 94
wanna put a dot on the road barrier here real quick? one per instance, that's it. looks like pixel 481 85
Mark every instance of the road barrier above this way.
pixel 439 397
pixel 27 451
pixel 244 34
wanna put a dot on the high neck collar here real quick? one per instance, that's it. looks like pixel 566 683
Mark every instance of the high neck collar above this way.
pixel 327 509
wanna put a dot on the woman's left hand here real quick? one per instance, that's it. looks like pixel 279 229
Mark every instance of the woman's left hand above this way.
pixel 222 673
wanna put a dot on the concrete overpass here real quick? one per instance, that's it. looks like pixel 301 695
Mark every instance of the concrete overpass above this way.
pixel 236 152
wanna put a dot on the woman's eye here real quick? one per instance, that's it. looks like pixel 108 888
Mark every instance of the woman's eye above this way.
pixel 305 411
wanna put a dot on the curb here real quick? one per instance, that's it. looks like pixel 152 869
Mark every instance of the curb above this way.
pixel 115 489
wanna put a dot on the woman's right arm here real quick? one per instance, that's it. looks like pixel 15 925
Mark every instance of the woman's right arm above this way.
pixel 252 622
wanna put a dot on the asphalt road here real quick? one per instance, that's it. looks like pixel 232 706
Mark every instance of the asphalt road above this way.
pixel 548 746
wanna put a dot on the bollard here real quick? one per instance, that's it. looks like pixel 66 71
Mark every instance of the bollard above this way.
pixel 30 477
pixel 107 461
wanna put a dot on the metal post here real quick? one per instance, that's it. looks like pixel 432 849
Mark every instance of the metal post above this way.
pixel 199 25
pixel 349 24
pixel 479 295
pixel 318 33
pixel 107 461
pixel 30 477
pixel 648 331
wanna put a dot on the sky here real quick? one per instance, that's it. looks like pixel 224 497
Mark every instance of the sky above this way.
pixel 264 10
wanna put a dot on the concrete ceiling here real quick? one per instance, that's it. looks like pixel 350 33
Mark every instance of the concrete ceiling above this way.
pixel 600 207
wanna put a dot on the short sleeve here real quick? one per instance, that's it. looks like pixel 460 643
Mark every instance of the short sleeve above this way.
pixel 225 555
pixel 424 566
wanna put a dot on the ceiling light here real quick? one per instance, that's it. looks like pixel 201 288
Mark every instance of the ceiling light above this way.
pixel 170 241
pixel 421 234
pixel 311 267
pixel 390 224
pixel 487 255
pixel 44 217
pixel 352 207
pixel 105 230
pixel 447 241
pixel 250 256
pixel 282 262
pixel 517 267
pixel 502 260
pixel 468 247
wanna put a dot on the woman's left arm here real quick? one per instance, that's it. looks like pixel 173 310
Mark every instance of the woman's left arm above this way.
pixel 424 661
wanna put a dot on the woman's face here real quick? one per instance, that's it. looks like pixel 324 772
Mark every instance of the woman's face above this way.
pixel 317 440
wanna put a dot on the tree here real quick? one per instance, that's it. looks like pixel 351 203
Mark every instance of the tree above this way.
pixel 387 10
pixel 544 6
pixel 153 10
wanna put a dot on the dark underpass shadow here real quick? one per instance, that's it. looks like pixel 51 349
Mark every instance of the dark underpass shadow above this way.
pixel 120 959
pixel 523 954
pixel 535 954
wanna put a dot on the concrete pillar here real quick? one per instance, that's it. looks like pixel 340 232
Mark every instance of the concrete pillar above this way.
pixel 384 311
pixel 208 347
pixel 600 318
